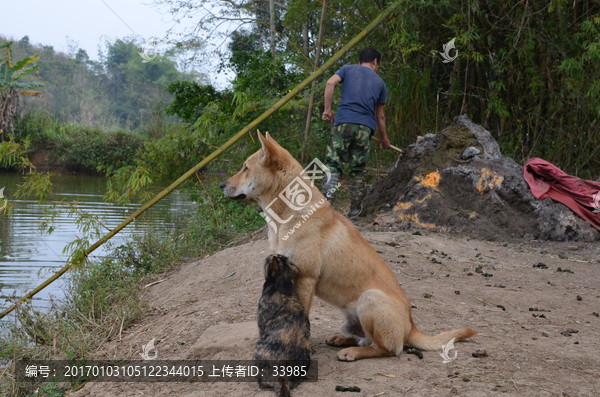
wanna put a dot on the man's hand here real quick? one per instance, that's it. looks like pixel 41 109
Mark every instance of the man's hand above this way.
pixel 385 142
pixel 327 116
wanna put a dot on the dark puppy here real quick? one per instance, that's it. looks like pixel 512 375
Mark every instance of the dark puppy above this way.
pixel 282 323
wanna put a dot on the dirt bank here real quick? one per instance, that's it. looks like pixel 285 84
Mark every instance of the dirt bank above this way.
pixel 206 310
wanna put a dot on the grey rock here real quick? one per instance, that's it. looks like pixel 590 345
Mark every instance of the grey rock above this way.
pixel 470 152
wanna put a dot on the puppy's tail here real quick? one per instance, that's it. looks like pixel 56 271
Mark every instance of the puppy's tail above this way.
pixel 424 342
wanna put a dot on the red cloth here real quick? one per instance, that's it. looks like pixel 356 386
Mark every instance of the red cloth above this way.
pixel 580 195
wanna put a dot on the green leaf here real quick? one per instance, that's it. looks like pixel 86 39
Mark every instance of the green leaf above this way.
pixel 24 62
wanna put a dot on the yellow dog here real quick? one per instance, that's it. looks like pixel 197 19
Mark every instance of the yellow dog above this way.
pixel 334 261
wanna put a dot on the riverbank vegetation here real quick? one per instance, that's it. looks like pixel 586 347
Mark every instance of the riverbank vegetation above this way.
pixel 102 298
pixel 528 72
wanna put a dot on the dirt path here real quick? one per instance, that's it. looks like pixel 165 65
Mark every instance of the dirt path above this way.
pixel 453 282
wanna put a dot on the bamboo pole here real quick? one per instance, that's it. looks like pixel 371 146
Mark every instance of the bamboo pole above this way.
pixel 343 51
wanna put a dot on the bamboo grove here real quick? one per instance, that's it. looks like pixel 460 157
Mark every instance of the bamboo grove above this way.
pixel 526 70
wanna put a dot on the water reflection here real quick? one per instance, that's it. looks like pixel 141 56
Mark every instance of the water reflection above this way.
pixel 28 256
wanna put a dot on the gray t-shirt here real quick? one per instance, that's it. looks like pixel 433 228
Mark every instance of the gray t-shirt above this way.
pixel 362 90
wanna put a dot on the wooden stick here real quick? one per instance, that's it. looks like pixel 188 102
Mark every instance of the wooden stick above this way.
pixel 375 139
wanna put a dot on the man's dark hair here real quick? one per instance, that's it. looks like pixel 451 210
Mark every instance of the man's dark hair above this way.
pixel 369 54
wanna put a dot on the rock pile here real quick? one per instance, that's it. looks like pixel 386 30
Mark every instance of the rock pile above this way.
pixel 458 180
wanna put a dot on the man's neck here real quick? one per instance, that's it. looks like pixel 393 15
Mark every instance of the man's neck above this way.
pixel 371 65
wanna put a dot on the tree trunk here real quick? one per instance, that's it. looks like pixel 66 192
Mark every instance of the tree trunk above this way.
pixel 305 49
pixel 272 25
pixel 311 100
pixel 8 109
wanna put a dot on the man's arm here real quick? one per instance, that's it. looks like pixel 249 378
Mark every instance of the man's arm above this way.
pixel 385 142
pixel 329 88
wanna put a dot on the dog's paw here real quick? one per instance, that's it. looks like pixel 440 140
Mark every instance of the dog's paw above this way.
pixel 349 354
pixel 340 340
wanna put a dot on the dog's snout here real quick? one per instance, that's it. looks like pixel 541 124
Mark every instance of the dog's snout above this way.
pixel 223 184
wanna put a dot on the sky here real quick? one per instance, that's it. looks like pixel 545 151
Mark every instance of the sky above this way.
pixel 88 24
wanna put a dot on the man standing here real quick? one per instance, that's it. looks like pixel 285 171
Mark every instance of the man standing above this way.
pixel 359 114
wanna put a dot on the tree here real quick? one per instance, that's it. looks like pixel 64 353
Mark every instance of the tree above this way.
pixel 12 84
pixel 258 72
pixel 527 71
pixel 138 88
pixel 189 99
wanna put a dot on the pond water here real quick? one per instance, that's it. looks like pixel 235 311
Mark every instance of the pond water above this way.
pixel 28 256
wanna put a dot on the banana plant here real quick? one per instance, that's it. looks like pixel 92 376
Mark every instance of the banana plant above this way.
pixel 12 85
pixel 11 73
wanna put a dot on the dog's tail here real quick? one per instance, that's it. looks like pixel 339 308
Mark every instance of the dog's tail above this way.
pixel 424 342
pixel 282 389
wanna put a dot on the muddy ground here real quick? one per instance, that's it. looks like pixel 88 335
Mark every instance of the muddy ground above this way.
pixel 202 310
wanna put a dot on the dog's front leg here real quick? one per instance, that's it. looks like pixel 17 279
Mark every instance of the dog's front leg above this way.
pixel 305 288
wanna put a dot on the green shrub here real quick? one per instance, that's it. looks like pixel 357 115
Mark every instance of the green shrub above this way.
pixel 93 150
pixel 76 147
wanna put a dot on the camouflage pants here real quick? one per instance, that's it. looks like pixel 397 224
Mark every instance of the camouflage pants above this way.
pixel 349 143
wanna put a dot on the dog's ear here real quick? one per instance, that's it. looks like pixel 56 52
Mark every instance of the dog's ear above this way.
pixel 288 269
pixel 279 274
pixel 272 267
pixel 269 137
pixel 293 271
pixel 287 272
pixel 272 141
pixel 269 149
pixel 266 266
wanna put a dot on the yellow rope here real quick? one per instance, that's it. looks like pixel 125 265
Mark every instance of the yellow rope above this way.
pixel 343 51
